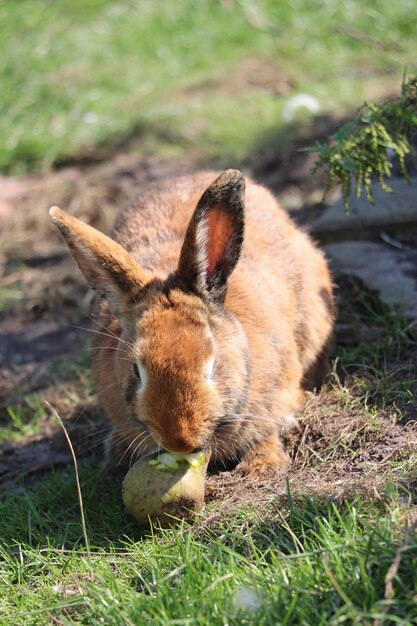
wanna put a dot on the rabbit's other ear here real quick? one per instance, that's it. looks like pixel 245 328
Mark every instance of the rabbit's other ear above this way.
pixel 214 237
pixel 108 267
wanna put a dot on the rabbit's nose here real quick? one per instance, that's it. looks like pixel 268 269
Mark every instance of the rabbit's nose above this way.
pixel 181 445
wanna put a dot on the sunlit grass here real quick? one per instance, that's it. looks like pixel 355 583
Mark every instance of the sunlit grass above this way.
pixel 305 562
pixel 81 74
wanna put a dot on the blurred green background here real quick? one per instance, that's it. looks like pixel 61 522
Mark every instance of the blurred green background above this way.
pixel 209 75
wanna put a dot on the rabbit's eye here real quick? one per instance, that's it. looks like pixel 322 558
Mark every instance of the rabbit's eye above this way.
pixel 141 373
pixel 136 370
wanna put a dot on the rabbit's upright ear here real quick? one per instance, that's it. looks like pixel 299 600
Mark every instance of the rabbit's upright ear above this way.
pixel 108 268
pixel 214 237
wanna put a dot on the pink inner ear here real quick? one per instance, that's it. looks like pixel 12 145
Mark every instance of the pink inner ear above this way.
pixel 220 227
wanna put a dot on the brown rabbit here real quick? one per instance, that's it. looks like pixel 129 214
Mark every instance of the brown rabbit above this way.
pixel 217 312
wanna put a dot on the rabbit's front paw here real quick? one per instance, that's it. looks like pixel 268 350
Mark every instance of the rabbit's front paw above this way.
pixel 267 458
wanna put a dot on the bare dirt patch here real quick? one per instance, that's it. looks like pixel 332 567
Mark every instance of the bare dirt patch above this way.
pixel 338 452
pixel 90 192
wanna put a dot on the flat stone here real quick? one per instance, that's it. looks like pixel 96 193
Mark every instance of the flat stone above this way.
pixel 391 272
pixel 392 213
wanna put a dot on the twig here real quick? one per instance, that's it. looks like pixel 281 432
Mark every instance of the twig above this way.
pixel 393 570
pixel 393 242
pixel 254 16
pixel 211 586
pixel 77 478
pixel 9 279
pixel 357 34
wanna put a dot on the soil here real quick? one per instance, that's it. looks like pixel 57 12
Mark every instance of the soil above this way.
pixel 45 324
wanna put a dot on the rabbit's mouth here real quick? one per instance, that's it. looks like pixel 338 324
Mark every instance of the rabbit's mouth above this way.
pixel 152 451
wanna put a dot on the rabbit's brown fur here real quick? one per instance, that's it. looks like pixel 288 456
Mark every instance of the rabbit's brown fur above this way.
pixel 170 306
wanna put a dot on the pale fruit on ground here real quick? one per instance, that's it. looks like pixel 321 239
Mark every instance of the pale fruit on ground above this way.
pixel 165 487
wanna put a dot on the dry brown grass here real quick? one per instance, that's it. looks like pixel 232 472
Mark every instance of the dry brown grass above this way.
pixel 340 451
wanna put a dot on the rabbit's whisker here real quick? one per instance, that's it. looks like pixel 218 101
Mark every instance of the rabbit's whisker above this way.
pixel 98 332
pixel 110 333
pixel 117 348
pixel 131 444
pixel 139 450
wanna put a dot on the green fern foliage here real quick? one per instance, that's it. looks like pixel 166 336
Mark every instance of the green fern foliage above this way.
pixel 366 147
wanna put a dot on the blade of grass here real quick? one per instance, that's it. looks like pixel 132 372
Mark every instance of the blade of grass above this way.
pixel 77 479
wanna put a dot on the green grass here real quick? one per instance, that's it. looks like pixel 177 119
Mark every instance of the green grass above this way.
pixel 10 295
pixel 305 562
pixel 382 372
pixel 75 75
pixel 393 331
pixel 23 420
pixel 69 385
